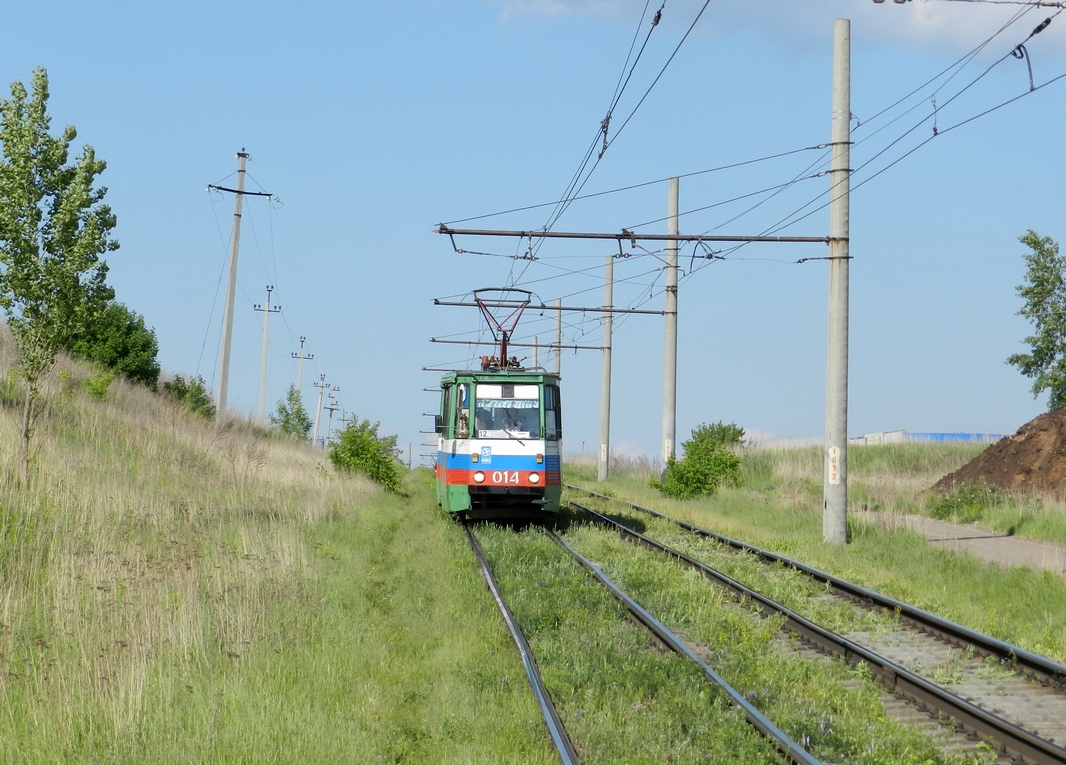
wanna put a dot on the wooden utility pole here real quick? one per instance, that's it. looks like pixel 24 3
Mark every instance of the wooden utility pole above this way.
pixel 835 475
pixel 267 310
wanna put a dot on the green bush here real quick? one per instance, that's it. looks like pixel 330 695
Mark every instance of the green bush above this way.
pixel 715 435
pixel 291 418
pixel 120 341
pixel 359 448
pixel 709 462
pixel 965 503
pixel 192 394
pixel 98 384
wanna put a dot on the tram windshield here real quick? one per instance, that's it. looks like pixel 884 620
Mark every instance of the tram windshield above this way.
pixel 507 410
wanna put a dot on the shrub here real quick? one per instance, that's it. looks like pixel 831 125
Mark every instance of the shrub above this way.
pixel 709 462
pixel 98 384
pixel 359 448
pixel 714 435
pixel 291 418
pixel 192 394
pixel 120 341
pixel 965 503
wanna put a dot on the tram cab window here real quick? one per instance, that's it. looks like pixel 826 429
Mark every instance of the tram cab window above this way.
pixel 508 411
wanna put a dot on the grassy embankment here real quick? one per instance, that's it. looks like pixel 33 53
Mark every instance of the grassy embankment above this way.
pixel 172 593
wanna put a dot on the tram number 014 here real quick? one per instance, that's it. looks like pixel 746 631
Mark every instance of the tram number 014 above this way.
pixel 505 476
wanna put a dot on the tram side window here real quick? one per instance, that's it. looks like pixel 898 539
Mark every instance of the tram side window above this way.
pixel 463 411
pixel 553 416
pixel 444 419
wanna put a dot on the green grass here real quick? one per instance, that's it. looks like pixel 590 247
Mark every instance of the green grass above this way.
pixel 779 508
pixel 621 699
pixel 812 701
pixel 175 592
pixel 171 593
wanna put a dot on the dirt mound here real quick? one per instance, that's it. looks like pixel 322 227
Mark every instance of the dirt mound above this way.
pixel 1033 459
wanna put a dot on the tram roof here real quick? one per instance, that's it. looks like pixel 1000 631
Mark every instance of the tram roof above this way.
pixel 511 373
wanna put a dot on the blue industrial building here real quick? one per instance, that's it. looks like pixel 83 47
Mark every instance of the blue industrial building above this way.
pixel 910 437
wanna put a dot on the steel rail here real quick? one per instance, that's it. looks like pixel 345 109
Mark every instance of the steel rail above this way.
pixel 559 737
pixel 1012 738
pixel 789 748
pixel 1039 667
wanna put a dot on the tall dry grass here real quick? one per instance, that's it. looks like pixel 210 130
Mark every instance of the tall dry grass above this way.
pixel 148 545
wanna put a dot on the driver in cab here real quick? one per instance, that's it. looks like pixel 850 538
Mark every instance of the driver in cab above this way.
pixel 514 421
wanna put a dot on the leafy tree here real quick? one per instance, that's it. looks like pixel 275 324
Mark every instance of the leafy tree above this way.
pixel 718 434
pixel 291 418
pixel 120 341
pixel 709 462
pixel 359 448
pixel 1044 293
pixel 54 228
pixel 192 394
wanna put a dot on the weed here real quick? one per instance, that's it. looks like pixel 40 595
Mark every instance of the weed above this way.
pixel 98 383
pixel 966 503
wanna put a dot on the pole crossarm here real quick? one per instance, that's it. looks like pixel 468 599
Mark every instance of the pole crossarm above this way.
pixel 542 307
pixel 213 187
pixel 625 235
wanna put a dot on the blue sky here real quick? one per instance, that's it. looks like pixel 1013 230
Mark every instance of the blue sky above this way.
pixel 374 122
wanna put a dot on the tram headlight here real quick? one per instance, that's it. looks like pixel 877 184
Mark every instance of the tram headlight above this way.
pixel 479 477
pixel 534 477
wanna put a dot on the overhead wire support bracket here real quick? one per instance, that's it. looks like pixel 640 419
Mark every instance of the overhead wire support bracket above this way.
pixel 631 236
pixel 521 345
pixel 544 307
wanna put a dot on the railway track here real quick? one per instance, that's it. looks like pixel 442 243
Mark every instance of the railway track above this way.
pixel 560 739
pixel 1023 712
pixel 789 750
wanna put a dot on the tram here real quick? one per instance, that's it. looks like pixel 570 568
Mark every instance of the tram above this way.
pixel 499 440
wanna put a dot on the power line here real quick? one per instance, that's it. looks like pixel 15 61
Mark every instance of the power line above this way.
pixel 577 183
pixel 799 214
pixel 642 184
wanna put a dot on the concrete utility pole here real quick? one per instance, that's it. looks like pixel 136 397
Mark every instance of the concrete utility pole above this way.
pixel 670 345
pixel 605 373
pixel 558 336
pixel 835 476
pixel 300 368
pixel 333 406
pixel 267 310
pixel 231 291
pixel 321 385
pixel 231 287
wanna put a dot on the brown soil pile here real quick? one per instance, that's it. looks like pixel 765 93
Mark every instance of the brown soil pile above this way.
pixel 1033 459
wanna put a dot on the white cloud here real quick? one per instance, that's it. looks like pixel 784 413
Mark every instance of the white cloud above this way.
pixel 806 26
